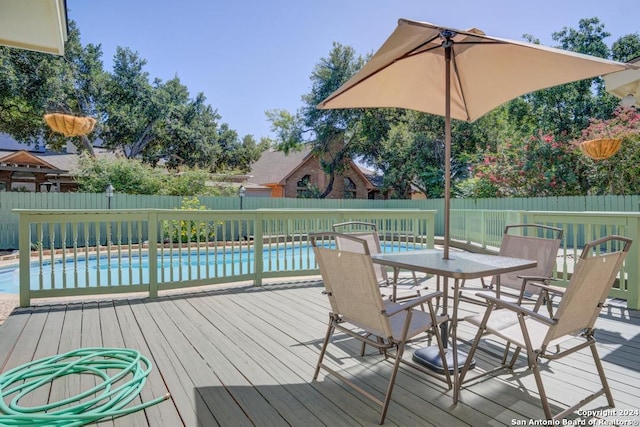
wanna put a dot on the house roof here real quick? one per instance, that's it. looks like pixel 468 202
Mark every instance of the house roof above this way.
pixel 274 166
pixel 374 177
pixel 58 162
pixel 23 160
pixel 63 162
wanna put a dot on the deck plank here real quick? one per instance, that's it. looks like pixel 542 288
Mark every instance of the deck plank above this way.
pixel 246 356
pixel 261 348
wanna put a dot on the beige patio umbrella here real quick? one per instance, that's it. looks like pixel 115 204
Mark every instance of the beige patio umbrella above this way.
pixel 625 85
pixel 38 25
pixel 460 74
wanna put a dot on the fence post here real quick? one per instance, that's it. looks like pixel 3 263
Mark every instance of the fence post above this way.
pixel 153 253
pixel 24 248
pixel 430 228
pixel 258 244
pixel 633 264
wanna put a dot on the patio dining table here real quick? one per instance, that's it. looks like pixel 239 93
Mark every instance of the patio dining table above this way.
pixel 460 266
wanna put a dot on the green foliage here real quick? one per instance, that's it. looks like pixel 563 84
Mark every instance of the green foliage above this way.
pixel 626 47
pixel 188 183
pixel 190 231
pixel 34 83
pixel 620 173
pixel 153 120
pixel 539 165
pixel 126 176
pixel 140 118
pixel 332 132
pixel 311 192
pixel 134 177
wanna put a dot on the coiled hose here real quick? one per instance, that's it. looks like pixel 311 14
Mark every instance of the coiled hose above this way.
pixel 129 371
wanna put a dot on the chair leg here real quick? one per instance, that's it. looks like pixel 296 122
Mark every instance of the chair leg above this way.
pixel 514 359
pixel 364 345
pixel 603 378
pixel 476 342
pixel 327 337
pixel 472 351
pixel 392 381
pixel 543 395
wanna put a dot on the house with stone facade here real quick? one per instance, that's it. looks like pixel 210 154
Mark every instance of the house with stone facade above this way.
pixel 295 174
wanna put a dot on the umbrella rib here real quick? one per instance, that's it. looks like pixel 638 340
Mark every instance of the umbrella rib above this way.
pixel 414 51
pixel 456 72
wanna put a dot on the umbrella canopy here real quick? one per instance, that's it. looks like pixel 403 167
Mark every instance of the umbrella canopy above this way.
pixel 625 84
pixel 461 74
pixel 39 25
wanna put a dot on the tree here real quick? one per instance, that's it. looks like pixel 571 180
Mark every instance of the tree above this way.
pixel 189 135
pixel 332 132
pixel 130 106
pixel 160 120
pixel 566 109
pixel 35 83
pixel 626 47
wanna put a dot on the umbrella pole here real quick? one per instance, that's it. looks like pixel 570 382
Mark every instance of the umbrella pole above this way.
pixel 447 147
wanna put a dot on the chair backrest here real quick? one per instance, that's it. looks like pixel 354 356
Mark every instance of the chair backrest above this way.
pixel 350 282
pixel 365 231
pixel 592 279
pixel 540 243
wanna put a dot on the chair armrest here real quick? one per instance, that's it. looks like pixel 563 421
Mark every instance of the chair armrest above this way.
pixel 516 308
pixel 546 286
pixel 537 278
pixel 407 305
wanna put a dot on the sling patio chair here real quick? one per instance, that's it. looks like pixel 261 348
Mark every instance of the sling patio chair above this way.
pixel 571 327
pixel 394 289
pixel 527 241
pixel 358 310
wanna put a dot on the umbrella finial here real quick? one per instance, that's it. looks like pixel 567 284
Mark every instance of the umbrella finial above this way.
pixel 446 36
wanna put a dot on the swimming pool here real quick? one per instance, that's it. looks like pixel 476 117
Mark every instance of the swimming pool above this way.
pixel 175 266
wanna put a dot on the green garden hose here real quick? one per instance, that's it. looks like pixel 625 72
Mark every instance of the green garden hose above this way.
pixel 123 373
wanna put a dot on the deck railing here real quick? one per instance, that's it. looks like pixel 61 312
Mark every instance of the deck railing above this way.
pixel 77 252
pixel 161 249
pixel 484 228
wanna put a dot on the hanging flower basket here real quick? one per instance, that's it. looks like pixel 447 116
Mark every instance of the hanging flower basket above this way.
pixel 69 125
pixel 599 149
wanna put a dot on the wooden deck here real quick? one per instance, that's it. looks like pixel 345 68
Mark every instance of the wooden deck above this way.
pixel 244 356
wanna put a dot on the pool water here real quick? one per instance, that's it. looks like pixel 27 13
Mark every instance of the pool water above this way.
pixel 134 270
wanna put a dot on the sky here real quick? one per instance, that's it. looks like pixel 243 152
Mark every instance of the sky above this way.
pixel 251 56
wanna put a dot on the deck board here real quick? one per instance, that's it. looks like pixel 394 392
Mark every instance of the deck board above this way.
pixel 245 356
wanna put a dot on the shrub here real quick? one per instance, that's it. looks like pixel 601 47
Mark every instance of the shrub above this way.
pixel 189 230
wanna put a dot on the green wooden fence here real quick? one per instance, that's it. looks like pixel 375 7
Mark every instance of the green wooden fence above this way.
pixel 84 201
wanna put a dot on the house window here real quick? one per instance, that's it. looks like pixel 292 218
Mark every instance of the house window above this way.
pixel 23 181
pixel 349 189
pixel 303 187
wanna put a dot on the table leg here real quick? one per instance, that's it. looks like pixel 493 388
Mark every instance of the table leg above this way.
pixel 430 356
pixel 454 342
pixel 396 274
pixel 444 328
